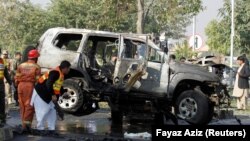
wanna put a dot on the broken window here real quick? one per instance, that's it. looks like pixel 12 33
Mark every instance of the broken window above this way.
pixel 67 41
pixel 100 49
pixel 105 51
pixel 134 49
pixel 100 52
pixel 154 56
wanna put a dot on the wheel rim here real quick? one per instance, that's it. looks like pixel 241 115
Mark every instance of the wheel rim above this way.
pixel 188 108
pixel 68 99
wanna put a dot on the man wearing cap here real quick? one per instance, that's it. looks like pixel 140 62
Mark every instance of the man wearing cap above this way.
pixel 16 62
pixel 4 74
pixel 27 75
pixel 8 94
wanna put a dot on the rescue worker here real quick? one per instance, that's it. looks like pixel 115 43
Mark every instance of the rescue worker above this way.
pixel 4 74
pixel 46 93
pixel 16 62
pixel 27 75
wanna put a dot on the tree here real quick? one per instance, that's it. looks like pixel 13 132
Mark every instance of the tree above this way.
pixel 242 28
pixel 219 31
pixel 22 23
pixel 125 15
pixel 140 17
pixel 183 50
pixel 218 36
pixel 170 16
pixel 95 14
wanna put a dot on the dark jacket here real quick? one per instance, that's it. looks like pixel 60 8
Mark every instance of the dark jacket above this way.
pixel 45 89
pixel 243 82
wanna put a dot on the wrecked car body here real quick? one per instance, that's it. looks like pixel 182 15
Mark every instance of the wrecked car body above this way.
pixel 128 71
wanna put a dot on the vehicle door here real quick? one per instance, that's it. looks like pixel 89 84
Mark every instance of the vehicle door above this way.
pixel 156 80
pixel 131 63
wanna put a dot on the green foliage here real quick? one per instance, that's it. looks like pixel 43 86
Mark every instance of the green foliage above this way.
pixel 171 16
pixel 95 14
pixel 183 50
pixel 218 36
pixel 219 31
pixel 22 23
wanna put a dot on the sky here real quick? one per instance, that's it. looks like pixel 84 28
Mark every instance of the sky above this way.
pixel 202 19
pixel 40 2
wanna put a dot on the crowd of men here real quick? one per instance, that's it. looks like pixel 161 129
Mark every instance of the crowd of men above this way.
pixel 7 74
pixel 22 83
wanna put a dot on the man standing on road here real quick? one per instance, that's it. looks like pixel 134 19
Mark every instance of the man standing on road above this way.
pixel 46 93
pixel 27 75
pixel 241 85
pixel 3 74
pixel 8 94
pixel 16 62
pixel 7 86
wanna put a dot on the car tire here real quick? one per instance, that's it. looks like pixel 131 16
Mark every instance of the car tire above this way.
pixel 86 109
pixel 194 107
pixel 72 100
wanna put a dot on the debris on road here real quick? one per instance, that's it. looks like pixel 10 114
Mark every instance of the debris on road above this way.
pixel 143 135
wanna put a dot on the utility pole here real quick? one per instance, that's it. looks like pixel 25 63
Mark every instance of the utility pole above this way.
pixel 232 34
pixel 232 42
pixel 194 31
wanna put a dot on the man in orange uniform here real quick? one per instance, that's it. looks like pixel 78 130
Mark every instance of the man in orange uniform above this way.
pixel 27 75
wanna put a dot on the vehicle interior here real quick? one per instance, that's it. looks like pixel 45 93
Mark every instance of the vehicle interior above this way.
pixel 102 53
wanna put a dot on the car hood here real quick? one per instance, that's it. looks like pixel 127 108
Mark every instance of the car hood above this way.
pixel 193 69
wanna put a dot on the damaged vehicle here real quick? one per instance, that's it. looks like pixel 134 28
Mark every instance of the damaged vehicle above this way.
pixel 131 73
pixel 226 75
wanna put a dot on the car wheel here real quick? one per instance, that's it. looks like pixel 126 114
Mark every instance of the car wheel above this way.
pixel 194 107
pixel 72 100
pixel 86 109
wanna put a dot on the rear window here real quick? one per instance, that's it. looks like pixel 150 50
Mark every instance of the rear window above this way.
pixel 67 41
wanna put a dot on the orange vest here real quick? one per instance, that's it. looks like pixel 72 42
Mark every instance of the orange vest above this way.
pixel 26 72
pixel 58 83
pixel 2 66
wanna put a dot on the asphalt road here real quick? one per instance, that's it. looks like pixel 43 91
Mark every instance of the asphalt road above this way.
pixel 97 126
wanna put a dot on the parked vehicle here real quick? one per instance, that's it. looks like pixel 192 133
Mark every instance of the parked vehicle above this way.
pixel 141 81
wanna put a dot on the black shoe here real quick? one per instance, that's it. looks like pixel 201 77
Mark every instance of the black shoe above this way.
pixel 40 132
pixel 53 133
pixel 20 130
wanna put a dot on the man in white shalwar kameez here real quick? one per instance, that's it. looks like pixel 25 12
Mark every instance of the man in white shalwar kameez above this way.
pixel 46 93
pixel 241 84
